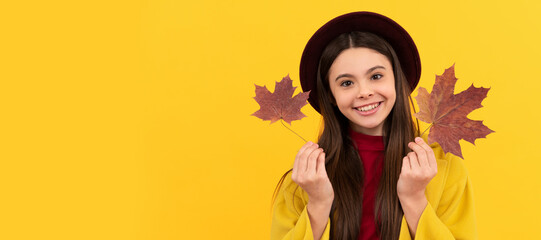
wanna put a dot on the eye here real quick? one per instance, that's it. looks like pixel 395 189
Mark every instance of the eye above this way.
pixel 346 83
pixel 376 76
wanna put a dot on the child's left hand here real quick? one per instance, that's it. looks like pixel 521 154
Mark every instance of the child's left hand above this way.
pixel 418 168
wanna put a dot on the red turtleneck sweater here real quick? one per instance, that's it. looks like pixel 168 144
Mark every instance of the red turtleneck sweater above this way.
pixel 371 150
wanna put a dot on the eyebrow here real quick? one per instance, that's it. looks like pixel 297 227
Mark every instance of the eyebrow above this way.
pixel 367 72
pixel 374 68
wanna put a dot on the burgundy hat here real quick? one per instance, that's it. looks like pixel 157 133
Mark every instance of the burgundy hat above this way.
pixel 380 25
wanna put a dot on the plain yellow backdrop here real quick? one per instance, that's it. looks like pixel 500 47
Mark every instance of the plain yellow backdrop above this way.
pixel 131 119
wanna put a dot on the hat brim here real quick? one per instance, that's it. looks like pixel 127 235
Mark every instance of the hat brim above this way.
pixel 378 24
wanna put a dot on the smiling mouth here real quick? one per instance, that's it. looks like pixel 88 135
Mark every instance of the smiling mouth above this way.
pixel 368 107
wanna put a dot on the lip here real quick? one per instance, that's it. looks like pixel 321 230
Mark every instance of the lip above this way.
pixel 369 112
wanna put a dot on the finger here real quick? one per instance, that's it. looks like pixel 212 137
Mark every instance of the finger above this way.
pixel 414 162
pixel 303 148
pixel 301 164
pixel 406 166
pixel 429 152
pixel 423 144
pixel 312 161
pixel 303 158
pixel 321 164
pixel 299 153
pixel 421 154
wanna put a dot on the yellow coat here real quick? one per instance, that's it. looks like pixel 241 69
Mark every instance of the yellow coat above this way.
pixel 449 213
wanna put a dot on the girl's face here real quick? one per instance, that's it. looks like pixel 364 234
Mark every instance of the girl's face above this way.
pixel 362 83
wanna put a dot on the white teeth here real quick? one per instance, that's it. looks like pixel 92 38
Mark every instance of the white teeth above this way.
pixel 369 107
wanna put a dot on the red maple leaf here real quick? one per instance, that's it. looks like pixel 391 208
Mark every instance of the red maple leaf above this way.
pixel 448 112
pixel 280 104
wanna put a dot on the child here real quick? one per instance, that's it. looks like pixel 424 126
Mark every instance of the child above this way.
pixel 369 176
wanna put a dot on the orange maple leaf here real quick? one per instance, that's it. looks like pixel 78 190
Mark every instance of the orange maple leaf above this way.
pixel 448 112
pixel 280 104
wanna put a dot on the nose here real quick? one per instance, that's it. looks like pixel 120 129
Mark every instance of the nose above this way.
pixel 365 91
pixel 365 95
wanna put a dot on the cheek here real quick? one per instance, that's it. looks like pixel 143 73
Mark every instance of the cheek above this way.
pixel 392 97
pixel 390 93
pixel 340 101
pixel 343 102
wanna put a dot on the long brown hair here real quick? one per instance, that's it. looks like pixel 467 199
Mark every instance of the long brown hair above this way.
pixel 343 163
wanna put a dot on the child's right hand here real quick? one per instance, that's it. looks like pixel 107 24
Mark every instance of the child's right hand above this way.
pixel 310 174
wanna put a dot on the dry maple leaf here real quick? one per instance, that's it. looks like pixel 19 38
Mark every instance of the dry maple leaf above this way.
pixel 280 104
pixel 448 112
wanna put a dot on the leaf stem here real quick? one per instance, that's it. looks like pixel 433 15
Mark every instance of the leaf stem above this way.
pixel 426 129
pixel 292 130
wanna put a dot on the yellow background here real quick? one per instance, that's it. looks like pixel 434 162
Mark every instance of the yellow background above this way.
pixel 131 119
